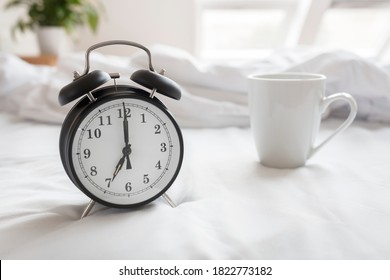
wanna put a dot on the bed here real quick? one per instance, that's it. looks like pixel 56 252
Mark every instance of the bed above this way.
pixel 229 206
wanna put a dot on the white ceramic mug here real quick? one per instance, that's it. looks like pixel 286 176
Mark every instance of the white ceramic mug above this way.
pixel 285 115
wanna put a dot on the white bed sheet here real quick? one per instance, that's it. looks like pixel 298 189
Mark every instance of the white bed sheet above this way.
pixel 229 206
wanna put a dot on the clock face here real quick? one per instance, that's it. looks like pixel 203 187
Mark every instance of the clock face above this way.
pixel 126 151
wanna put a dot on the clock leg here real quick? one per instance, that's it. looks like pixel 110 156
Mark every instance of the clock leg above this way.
pixel 92 203
pixel 168 200
pixel 88 208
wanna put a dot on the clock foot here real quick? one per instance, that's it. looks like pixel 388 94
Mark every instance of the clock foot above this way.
pixel 88 208
pixel 168 200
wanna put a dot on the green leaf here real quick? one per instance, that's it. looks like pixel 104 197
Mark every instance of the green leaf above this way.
pixel 66 13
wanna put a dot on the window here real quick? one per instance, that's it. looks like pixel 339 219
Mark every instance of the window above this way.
pixel 239 28
pixel 243 28
pixel 360 26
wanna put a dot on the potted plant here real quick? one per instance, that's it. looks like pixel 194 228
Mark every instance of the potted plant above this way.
pixel 52 19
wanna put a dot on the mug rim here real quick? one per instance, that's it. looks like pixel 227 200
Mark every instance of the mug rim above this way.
pixel 288 77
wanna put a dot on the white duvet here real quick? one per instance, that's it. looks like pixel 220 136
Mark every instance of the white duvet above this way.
pixel 229 206
pixel 218 90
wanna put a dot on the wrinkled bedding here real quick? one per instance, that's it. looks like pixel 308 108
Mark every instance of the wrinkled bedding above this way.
pixel 219 90
pixel 229 206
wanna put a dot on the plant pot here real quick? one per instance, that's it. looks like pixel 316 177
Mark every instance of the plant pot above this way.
pixel 52 40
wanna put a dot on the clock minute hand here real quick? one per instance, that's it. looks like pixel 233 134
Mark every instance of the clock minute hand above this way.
pixel 125 125
pixel 127 149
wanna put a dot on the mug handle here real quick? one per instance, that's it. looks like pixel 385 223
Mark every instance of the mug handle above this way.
pixel 352 114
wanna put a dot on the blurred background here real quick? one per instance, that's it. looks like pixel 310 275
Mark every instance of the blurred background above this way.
pixel 224 29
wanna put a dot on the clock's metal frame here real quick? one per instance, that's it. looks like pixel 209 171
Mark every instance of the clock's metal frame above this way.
pixel 108 92
pixel 84 85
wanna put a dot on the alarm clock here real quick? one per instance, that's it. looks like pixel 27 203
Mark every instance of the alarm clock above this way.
pixel 119 144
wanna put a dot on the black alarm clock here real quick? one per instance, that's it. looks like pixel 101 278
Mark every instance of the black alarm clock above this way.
pixel 119 144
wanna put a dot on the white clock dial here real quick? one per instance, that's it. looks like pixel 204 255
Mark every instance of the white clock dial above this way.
pixel 126 151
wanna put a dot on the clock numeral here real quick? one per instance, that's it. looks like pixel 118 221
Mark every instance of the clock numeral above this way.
pixel 108 181
pixel 97 133
pixel 158 165
pixel 128 187
pixel 120 113
pixel 163 147
pixel 146 178
pixel 143 118
pixel 93 171
pixel 157 128
pixel 106 121
pixel 87 153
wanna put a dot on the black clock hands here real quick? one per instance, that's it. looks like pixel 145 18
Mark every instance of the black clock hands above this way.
pixel 125 125
pixel 126 151
pixel 118 167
